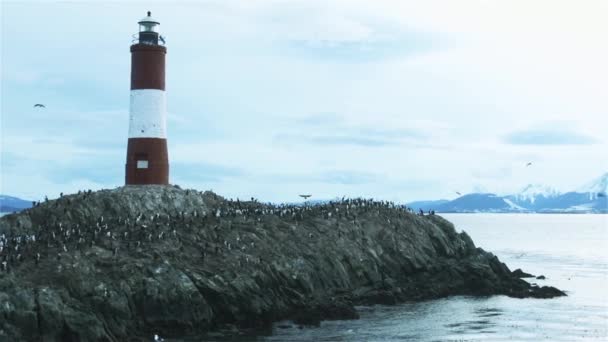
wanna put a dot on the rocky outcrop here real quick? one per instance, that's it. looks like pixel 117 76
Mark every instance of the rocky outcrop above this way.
pixel 521 274
pixel 122 264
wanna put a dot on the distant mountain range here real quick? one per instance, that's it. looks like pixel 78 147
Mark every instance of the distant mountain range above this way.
pixel 10 204
pixel 534 198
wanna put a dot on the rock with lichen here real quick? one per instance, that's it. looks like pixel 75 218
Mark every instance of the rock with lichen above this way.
pixel 122 264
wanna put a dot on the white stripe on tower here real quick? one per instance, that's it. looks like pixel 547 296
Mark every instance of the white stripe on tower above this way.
pixel 148 117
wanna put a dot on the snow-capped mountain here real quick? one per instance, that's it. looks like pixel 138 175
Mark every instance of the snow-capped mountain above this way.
pixel 590 198
pixel 532 192
pixel 599 184
pixel 595 188
pixel 534 197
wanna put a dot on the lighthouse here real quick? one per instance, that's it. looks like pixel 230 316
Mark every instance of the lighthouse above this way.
pixel 147 156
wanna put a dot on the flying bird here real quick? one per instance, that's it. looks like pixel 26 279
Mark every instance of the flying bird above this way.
pixel 39 105
pixel 305 197
pixel 529 163
pixel 458 193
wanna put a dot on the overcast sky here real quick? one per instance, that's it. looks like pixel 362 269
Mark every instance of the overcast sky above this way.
pixel 398 100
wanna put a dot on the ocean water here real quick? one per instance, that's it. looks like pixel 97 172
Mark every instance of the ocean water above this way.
pixel 571 251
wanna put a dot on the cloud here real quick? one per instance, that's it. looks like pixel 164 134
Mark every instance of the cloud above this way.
pixel 362 51
pixel 326 177
pixel 548 137
pixel 204 172
pixel 332 130
pixel 347 177
pixel 350 140
pixel 102 172
pixel 341 31
pixel 361 139
pixel 319 119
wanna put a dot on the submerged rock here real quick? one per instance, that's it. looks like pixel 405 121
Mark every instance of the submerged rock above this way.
pixel 135 261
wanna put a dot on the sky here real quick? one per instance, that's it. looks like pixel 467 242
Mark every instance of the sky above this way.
pixel 395 100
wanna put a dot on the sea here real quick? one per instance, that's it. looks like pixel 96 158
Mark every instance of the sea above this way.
pixel 570 250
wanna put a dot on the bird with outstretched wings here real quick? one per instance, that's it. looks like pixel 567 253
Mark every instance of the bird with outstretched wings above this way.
pixel 39 105
pixel 305 197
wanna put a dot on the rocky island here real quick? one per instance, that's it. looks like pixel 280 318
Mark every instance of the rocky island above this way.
pixel 123 264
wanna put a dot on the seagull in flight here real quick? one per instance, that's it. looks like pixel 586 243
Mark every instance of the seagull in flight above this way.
pixel 529 163
pixel 305 197
pixel 39 105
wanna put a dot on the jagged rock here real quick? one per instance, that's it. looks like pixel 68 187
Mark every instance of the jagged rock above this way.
pixel 521 274
pixel 127 263
pixel 546 292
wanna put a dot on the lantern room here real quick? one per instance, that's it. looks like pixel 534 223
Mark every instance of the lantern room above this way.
pixel 148 30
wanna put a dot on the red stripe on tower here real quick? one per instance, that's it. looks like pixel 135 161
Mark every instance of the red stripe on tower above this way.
pixel 147 157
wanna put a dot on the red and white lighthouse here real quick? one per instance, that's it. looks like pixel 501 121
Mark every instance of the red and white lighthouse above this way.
pixel 147 157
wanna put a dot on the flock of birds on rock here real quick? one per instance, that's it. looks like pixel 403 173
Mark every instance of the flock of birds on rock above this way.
pixel 60 236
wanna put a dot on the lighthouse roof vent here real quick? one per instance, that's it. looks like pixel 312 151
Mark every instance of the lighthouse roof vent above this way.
pixel 148 20
pixel 147 24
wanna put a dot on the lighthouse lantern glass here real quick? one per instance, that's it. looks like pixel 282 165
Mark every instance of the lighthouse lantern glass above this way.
pixel 147 26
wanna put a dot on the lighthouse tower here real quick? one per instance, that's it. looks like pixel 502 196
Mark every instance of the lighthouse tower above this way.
pixel 147 157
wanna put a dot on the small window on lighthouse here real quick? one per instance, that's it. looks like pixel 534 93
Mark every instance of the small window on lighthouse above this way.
pixel 142 164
